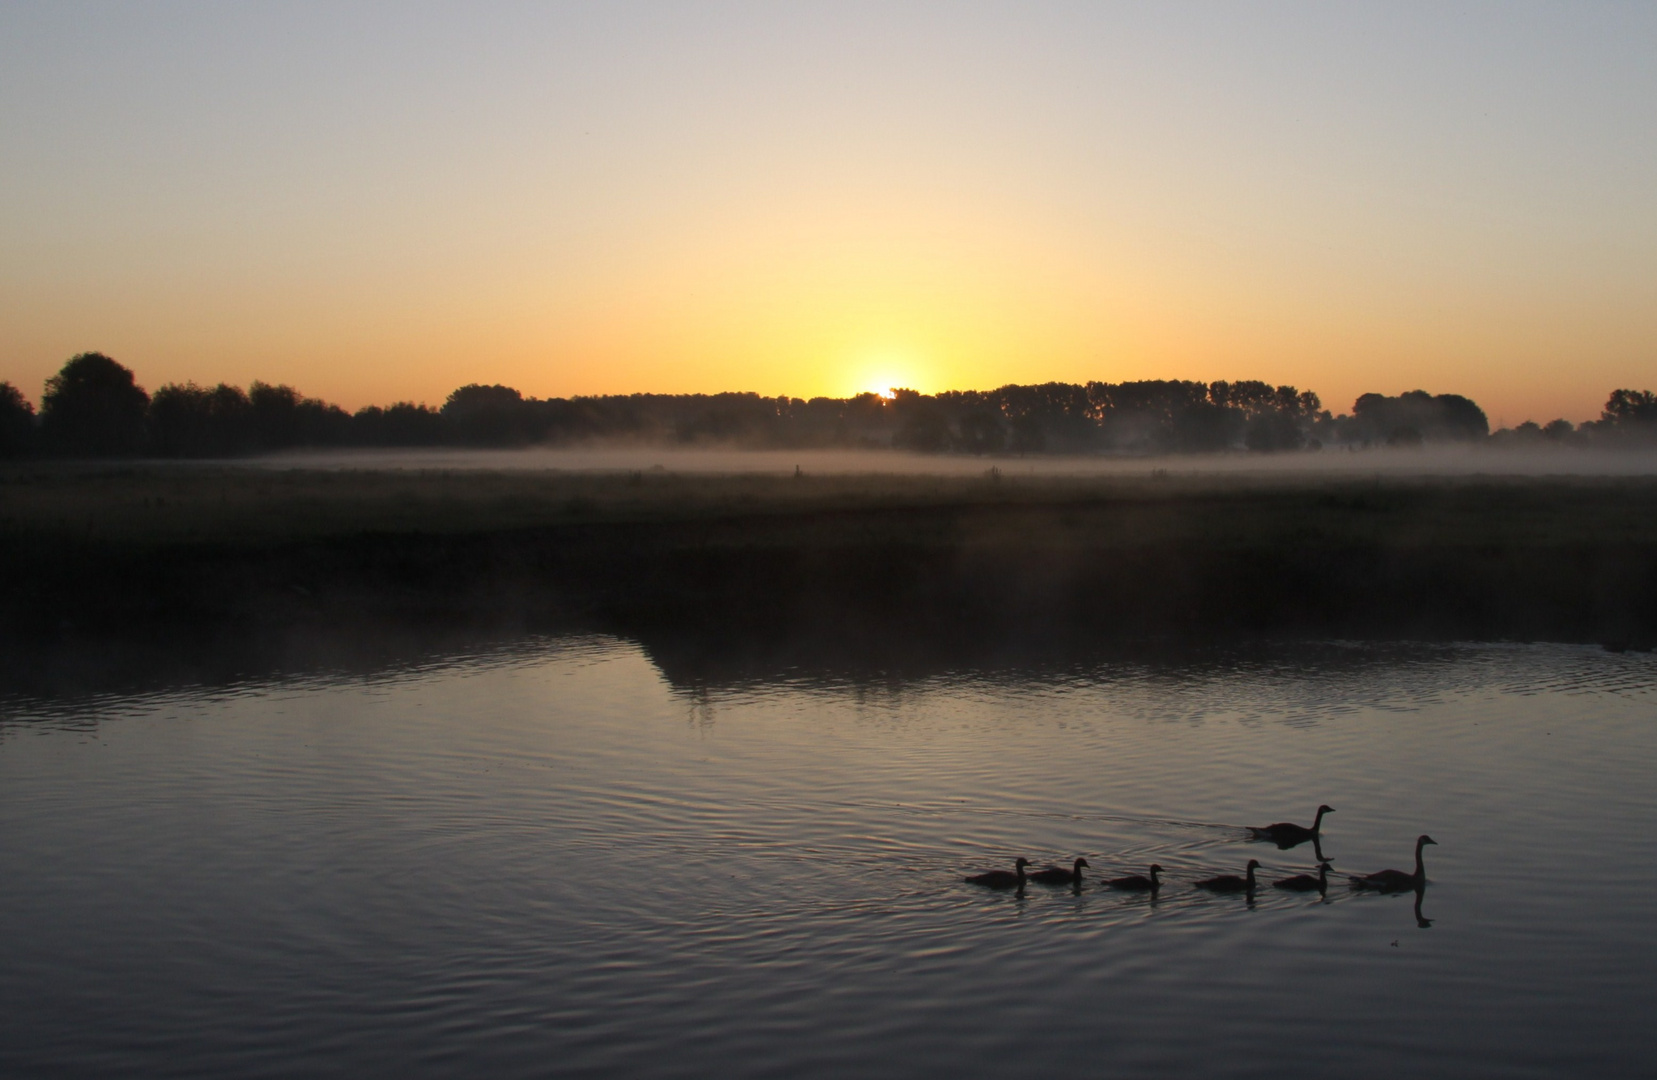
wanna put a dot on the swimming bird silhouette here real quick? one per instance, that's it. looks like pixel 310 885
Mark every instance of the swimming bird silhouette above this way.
pixel 1307 882
pixel 1397 880
pixel 1138 882
pixel 1056 875
pixel 1286 834
pixel 1231 883
pixel 1002 879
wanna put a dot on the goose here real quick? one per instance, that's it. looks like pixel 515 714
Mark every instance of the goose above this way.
pixel 1138 882
pixel 1306 882
pixel 1002 879
pixel 1231 882
pixel 1397 880
pixel 1055 875
pixel 1286 834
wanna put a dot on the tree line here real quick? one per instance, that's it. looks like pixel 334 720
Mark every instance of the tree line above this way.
pixel 94 407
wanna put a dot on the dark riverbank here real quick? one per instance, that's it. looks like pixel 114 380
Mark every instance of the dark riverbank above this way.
pixel 724 573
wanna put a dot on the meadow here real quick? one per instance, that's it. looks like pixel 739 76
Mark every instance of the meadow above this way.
pixel 760 569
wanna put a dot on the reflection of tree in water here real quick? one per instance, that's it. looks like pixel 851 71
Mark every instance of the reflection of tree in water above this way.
pixel 1294 683
pixel 700 714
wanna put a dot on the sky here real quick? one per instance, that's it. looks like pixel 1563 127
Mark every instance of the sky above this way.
pixel 381 202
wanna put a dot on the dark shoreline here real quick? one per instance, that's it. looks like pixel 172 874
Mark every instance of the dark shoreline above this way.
pixel 728 573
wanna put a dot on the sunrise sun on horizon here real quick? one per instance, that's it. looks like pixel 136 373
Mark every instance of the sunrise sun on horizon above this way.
pixel 807 201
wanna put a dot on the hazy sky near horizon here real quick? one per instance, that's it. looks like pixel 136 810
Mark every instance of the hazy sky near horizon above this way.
pixel 377 202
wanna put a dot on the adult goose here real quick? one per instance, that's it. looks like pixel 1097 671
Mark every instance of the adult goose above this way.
pixel 1231 883
pixel 1397 880
pixel 1138 882
pixel 1307 882
pixel 1057 875
pixel 1286 834
pixel 1002 879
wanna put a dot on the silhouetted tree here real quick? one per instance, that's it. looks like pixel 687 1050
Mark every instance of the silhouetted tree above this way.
pixel 93 408
pixel 477 415
pixel 402 424
pixel 1418 416
pixel 323 424
pixel 922 425
pixel 273 415
pixel 1530 433
pixel 281 418
pixel 1274 431
pixel 1631 409
pixel 1146 416
pixel 739 419
pixel 1461 418
pixel 1029 434
pixel 1157 416
pixel 1049 416
pixel 981 432
pixel 192 421
pixel 17 423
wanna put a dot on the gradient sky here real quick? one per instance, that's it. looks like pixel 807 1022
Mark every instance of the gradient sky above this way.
pixel 380 202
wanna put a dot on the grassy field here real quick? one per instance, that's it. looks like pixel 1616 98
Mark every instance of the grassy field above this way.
pixel 728 564
pixel 161 505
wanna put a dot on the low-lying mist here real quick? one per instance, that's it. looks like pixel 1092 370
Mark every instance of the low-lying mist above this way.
pixel 1443 460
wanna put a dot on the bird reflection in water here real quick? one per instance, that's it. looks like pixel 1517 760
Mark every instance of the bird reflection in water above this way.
pixel 1398 881
pixel 1317 850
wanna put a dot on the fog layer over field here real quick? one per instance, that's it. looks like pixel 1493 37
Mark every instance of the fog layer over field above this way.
pixel 1450 460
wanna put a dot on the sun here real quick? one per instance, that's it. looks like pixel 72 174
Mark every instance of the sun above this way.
pixel 883 371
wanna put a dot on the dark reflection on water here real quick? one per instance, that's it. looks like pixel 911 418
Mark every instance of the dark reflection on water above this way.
pixel 585 856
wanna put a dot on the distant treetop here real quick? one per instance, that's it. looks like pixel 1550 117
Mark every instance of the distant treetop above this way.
pixel 94 406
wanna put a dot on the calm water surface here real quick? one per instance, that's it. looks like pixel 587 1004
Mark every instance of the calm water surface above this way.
pixel 549 860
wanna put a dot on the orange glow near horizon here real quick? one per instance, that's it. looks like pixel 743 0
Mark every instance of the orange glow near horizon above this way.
pixel 619 204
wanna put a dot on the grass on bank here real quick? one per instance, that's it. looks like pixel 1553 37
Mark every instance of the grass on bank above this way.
pixel 149 505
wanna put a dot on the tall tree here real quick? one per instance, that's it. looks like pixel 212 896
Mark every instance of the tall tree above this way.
pixel 17 422
pixel 93 408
